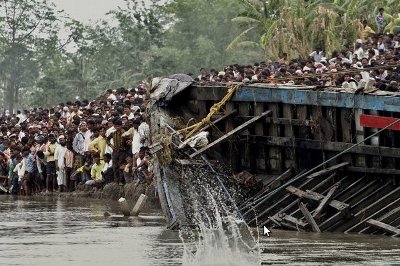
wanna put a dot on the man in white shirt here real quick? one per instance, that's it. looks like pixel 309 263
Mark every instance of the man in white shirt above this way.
pixel 59 156
pixel 317 55
pixel 133 131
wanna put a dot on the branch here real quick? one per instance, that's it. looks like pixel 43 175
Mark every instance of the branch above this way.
pixel 33 29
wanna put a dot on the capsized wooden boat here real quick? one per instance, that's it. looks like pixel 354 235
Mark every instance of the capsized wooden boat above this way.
pixel 183 183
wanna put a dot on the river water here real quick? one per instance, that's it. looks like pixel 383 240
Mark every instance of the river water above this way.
pixel 56 231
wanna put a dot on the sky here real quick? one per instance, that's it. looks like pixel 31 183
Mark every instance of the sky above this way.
pixel 87 11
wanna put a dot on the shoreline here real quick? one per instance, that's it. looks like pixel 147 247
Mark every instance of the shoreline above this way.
pixel 112 192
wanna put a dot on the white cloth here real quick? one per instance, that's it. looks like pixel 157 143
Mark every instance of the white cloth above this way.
pixel 136 145
pixel 359 53
pixel 144 133
pixel 21 135
pixel 20 170
pixel 88 134
pixel 108 133
pixel 317 56
pixel 112 97
pixel 59 156
pixel 107 166
pixel 198 141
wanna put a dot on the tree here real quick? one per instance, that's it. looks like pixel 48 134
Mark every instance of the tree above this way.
pixel 197 36
pixel 24 25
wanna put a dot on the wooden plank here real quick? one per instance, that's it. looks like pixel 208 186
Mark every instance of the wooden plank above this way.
pixel 375 121
pixel 275 154
pixel 309 218
pixel 354 169
pixel 316 197
pixel 290 151
pixel 316 114
pixel 244 148
pixel 280 179
pixel 231 133
pixel 359 159
pixel 387 218
pixel 304 123
pixel 324 201
pixel 345 121
pixel 124 207
pixel 331 133
pixel 389 214
pixel 296 202
pixel 295 191
pixel 272 185
pixel 220 119
pixel 368 212
pixel 295 221
pixel 278 93
pixel 385 227
pixel 304 161
pixel 328 170
pixel 267 209
pixel 346 133
pixel 272 219
pixel 259 150
pixel 139 205
pixel 329 224
pixel 232 146
pixel 325 145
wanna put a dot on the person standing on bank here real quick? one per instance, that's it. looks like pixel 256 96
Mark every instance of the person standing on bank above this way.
pixel 59 156
pixel 79 143
pixel 118 155
pixel 51 165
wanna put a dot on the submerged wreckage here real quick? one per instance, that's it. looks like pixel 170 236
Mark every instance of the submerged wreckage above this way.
pixel 301 158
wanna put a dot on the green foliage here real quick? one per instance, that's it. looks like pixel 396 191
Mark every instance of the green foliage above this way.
pixel 296 27
pixel 141 42
pixel 26 27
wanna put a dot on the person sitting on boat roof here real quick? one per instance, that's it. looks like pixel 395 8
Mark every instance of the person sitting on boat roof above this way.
pixel 317 54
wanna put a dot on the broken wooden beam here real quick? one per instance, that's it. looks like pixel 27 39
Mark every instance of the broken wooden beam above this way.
pixel 385 218
pixel 309 217
pixel 296 222
pixel 324 201
pixel 385 227
pixel 328 170
pixel 139 205
pixel 220 119
pixel 340 206
pixel 231 133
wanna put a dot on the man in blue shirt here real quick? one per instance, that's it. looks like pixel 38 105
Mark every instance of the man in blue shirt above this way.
pixel 29 163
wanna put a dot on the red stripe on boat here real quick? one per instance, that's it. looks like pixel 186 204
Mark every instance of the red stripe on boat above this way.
pixel 375 121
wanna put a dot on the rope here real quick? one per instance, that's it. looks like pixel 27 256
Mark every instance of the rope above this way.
pixel 262 199
pixel 213 110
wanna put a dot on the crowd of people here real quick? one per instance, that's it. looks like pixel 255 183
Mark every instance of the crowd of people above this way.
pixel 372 61
pixel 77 143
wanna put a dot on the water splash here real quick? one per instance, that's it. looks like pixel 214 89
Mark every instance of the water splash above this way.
pixel 221 237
